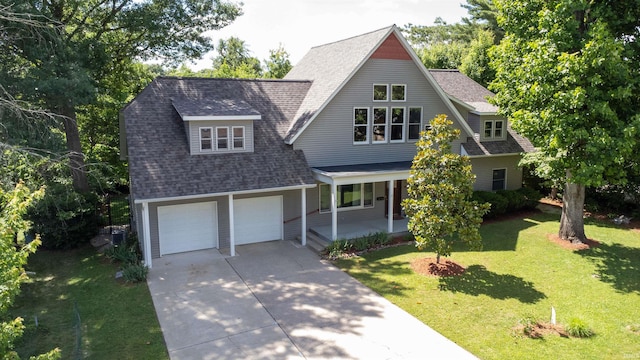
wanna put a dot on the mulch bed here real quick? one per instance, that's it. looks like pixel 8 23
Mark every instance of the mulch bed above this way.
pixel 540 329
pixel 565 244
pixel 428 267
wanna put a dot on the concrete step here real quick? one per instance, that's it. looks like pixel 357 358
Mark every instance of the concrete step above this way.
pixel 316 242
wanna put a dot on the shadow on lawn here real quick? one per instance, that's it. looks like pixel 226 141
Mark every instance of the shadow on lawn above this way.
pixel 617 265
pixel 378 283
pixel 477 280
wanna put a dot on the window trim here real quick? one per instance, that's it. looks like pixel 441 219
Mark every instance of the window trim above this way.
pixel 233 138
pixel 503 129
pixel 504 187
pixel 404 94
pixel 210 138
pixel 218 138
pixel 409 124
pixel 362 206
pixel 385 125
pixel 373 94
pixel 403 125
pixel 367 126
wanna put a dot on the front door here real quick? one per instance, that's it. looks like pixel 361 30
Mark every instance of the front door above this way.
pixel 397 199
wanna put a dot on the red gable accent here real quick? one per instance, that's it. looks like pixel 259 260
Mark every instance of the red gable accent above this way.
pixel 391 49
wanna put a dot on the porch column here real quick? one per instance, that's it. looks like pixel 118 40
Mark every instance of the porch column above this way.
pixel 303 210
pixel 390 207
pixel 334 212
pixel 232 231
pixel 146 234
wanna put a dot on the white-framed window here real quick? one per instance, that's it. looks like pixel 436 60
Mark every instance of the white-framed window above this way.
pixel 493 129
pixel 238 137
pixel 499 181
pixel 415 121
pixel 222 138
pixel 379 128
pixel 349 197
pixel 380 92
pixel 360 125
pixel 206 139
pixel 398 92
pixel 398 119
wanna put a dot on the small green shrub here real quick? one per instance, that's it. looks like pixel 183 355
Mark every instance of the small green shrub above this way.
pixel 122 253
pixel 531 197
pixel 361 243
pixel 498 202
pixel 338 248
pixel 380 238
pixel 529 324
pixel 515 200
pixel 578 328
pixel 135 272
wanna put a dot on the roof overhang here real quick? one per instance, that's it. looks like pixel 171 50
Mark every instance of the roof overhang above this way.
pixel 242 192
pixel 214 110
pixel 362 173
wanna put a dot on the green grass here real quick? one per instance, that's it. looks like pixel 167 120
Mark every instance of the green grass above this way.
pixel 117 321
pixel 520 274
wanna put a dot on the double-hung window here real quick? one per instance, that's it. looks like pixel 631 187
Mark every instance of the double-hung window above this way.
pixel 206 140
pixel 360 125
pixel 222 138
pixel 397 124
pixel 238 137
pixel 415 119
pixel 499 179
pixel 350 196
pixel 379 130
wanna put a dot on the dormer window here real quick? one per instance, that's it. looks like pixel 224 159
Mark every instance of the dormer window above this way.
pixel 493 129
pixel 205 138
pixel 222 138
pixel 398 92
pixel 238 137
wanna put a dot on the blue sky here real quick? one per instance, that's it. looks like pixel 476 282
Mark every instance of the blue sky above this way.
pixel 301 24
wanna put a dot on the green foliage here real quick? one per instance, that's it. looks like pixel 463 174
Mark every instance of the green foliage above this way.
pixel 370 241
pixel 64 218
pixel 135 272
pixel 13 257
pixel 507 201
pixel 568 81
pixel 234 60
pixel 278 64
pixel 578 328
pixel 122 253
pixel 440 187
pixel 531 197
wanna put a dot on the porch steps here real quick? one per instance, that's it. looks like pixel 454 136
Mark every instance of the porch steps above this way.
pixel 316 242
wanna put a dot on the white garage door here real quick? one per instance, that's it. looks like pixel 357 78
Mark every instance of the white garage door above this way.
pixel 187 227
pixel 257 219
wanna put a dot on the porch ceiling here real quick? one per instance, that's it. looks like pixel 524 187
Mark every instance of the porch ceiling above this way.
pixel 360 173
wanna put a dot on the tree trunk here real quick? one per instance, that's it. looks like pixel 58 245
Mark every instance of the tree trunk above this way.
pixel 76 157
pixel 572 220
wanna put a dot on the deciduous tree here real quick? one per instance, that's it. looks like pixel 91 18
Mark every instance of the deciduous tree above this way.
pixel 567 77
pixel 440 187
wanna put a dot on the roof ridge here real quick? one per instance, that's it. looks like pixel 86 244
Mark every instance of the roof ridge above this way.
pixel 354 37
pixel 202 78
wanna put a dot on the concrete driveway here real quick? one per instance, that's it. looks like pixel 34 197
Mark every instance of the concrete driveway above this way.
pixel 278 300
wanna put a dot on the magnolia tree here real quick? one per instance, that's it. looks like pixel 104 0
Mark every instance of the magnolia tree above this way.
pixel 440 187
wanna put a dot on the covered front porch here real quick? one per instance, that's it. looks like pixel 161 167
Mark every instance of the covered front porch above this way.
pixel 352 230
pixel 350 188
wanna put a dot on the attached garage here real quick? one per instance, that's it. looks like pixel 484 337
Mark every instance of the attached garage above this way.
pixel 188 227
pixel 257 219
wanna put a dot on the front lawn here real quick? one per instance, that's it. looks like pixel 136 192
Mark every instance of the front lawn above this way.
pixel 521 274
pixel 113 320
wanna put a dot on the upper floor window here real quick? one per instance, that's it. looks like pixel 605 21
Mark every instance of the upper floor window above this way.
pixel 360 125
pixel 206 139
pixel 224 138
pixel 398 92
pixel 379 133
pixel 380 92
pixel 415 119
pixel 493 129
pixel 238 137
pixel 397 124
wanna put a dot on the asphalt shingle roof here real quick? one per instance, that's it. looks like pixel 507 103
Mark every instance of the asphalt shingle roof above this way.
pixel 329 66
pixel 160 164
pixel 213 107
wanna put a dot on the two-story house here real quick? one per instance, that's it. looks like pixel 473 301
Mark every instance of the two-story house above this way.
pixel 215 163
